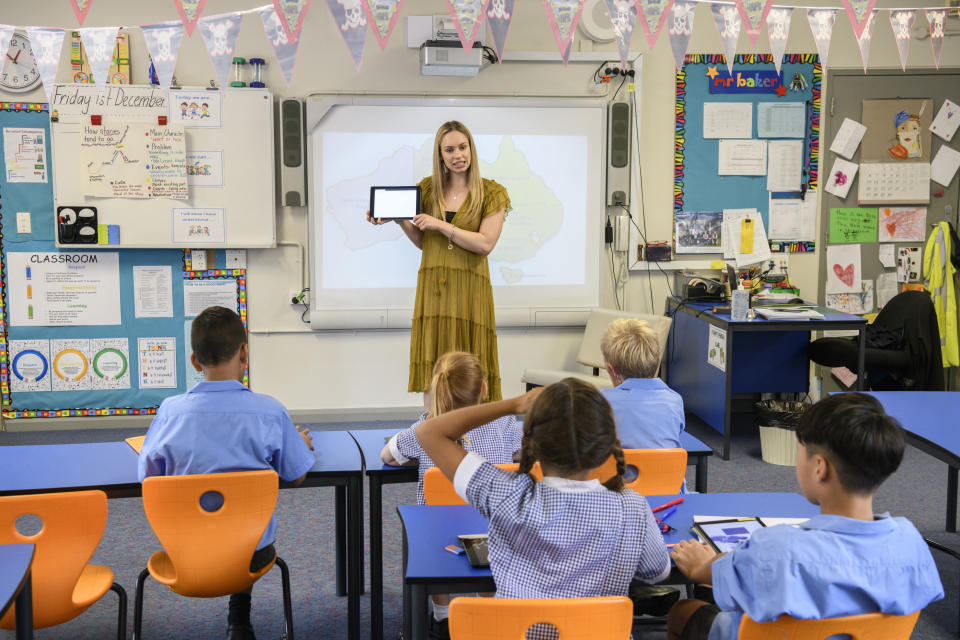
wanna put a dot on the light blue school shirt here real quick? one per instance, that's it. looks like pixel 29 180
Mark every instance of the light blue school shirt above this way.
pixel 222 426
pixel 648 413
pixel 828 567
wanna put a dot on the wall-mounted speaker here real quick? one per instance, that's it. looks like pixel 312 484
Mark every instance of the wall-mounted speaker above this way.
pixel 619 127
pixel 293 153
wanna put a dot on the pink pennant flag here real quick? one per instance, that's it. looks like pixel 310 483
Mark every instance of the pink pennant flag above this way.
pixel 163 43
pixel 46 43
pixel 865 37
pixel 937 18
pixel 901 21
pixel 821 24
pixel 680 28
pixel 99 43
pixel 727 19
pixel 383 14
pixel 654 14
pixel 754 14
pixel 80 9
pixel 220 36
pixel 292 12
pixel 189 11
pixel 778 29
pixel 859 12
pixel 623 15
pixel 468 16
pixel 499 14
pixel 564 16
pixel 277 33
pixel 349 16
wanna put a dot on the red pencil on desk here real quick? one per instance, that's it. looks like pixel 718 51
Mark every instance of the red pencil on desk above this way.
pixel 667 505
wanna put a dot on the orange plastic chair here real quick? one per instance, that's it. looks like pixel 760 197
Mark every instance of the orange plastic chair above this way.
pixel 64 585
pixel 659 472
pixel 206 554
pixel 609 618
pixel 867 626
pixel 438 490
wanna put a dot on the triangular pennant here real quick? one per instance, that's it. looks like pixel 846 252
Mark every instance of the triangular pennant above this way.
pixel 778 29
pixel 468 17
pixel 292 12
pixel 859 12
pixel 754 14
pixel 901 21
pixel 6 32
pixel 163 43
pixel 284 48
pixel 349 16
pixel 99 42
pixel 623 15
pixel 499 15
pixel 563 16
pixel 189 11
pixel 220 35
pixel 937 18
pixel 80 9
pixel 727 19
pixel 46 43
pixel 821 25
pixel 680 28
pixel 864 38
pixel 654 13
pixel 383 15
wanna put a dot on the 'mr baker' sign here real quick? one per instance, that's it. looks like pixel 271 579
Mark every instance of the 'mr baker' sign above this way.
pixel 745 82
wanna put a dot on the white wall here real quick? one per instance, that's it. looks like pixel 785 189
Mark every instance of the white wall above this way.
pixel 333 371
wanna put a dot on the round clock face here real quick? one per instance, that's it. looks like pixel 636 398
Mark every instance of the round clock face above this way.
pixel 19 70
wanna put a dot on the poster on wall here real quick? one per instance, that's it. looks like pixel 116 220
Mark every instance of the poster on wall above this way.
pixel 716 348
pixel 133 161
pixel 70 361
pixel 843 268
pixel 30 365
pixel 157 360
pixel 902 224
pixel 697 231
pixel 897 130
pixel 110 363
pixel 24 155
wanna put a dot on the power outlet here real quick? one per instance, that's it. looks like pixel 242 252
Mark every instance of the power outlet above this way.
pixel 198 260
pixel 23 222
pixel 236 258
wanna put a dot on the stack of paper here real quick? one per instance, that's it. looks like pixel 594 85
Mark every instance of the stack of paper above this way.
pixel 788 313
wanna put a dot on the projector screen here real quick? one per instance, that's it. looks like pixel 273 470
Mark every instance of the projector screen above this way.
pixel 549 156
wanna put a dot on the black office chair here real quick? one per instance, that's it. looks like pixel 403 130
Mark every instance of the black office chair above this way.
pixel 903 347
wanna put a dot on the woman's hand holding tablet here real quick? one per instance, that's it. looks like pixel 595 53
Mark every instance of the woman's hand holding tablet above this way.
pixel 393 203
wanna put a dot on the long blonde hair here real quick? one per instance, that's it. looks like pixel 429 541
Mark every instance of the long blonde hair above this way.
pixel 457 382
pixel 438 180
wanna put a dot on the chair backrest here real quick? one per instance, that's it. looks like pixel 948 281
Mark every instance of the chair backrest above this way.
pixel 609 618
pixel 659 472
pixel 210 550
pixel 73 523
pixel 438 490
pixel 597 323
pixel 867 626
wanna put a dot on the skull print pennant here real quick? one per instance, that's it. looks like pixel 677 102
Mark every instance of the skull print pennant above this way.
pixel 901 21
pixel 46 42
pixel 655 13
pixel 680 28
pixel 163 43
pixel 220 35
pixel 727 19
pixel 623 15
pixel 499 14
pixel 859 12
pixel 865 37
pixel 564 16
pixel 754 14
pixel 468 16
pixel 383 14
pixel 80 9
pixel 283 47
pixel 292 13
pixel 821 25
pixel 937 18
pixel 778 28
pixel 99 43
pixel 349 16
pixel 189 11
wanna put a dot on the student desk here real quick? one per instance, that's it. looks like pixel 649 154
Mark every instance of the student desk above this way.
pixel 428 568
pixel 112 467
pixel 15 563
pixel 371 442
pixel 758 356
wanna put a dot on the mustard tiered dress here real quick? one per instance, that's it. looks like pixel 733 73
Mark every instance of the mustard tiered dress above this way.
pixel 454 306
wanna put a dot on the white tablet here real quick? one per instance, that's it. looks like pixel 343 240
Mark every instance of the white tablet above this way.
pixel 394 203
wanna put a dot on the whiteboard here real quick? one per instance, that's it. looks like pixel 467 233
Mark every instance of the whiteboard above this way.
pixel 242 145
pixel 549 155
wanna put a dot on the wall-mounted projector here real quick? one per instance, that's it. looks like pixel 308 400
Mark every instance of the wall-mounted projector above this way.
pixel 447 58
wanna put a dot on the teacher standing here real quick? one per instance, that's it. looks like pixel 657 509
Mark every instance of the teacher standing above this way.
pixel 459 224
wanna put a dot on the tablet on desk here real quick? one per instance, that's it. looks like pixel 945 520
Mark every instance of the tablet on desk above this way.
pixel 475 545
pixel 726 535
pixel 394 203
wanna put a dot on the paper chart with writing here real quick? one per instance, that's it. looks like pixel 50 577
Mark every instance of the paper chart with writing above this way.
pixel 196 108
pixel 24 155
pixel 793 220
pixel 133 161
pixel 886 288
pixel 848 138
pixel 195 227
pixel 781 120
pixel 110 363
pixel 727 120
pixel 70 362
pixel 893 183
pixel 30 365
pixel 888 256
pixel 857 302
pixel 742 158
pixel 216 292
pixel 157 359
pixel 785 165
pixel 205 168
pixel 153 291
pixel 945 165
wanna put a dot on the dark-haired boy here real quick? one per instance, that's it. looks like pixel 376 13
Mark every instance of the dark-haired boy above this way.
pixel 845 561
pixel 220 426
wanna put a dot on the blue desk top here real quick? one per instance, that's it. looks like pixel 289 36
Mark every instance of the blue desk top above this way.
pixel 336 452
pixel 15 561
pixel 928 415
pixel 694 446
pixel 829 315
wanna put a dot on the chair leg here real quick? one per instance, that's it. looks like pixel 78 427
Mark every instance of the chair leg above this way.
pixel 287 604
pixel 138 604
pixel 121 611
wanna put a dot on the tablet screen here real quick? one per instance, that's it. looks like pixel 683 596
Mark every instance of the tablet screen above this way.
pixel 726 535
pixel 394 203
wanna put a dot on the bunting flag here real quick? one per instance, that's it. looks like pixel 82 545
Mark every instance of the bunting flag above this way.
pixel 680 29
pixel 292 12
pixel 163 44
pixel 901 21
pixel 564 16
pixel 80 9
pixel 937 18
pixel 6 32
pixel 499 14
pixel 727 19
pixel 754 14
pixel 468 16
pixel 821 24
pixel 778 29
pixel 46 43
pixel 859 11
pixel 189 11
pixel 383 15
pixel 349 16
pixel 99 42
pixel 623 15
pixel 864 38
pixel 284 47
pixel 654 13
pixel 220 35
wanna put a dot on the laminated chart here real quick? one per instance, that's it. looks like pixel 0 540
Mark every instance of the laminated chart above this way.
pixel 30 365
pixel 110 363
pixel 71 365
pixel 134 161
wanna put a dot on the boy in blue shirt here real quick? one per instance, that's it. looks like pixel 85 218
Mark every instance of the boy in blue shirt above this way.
pixel 648 413
pixel 220 426
pixel 845 561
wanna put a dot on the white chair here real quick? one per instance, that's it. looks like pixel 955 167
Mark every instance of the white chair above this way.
pixel 589 354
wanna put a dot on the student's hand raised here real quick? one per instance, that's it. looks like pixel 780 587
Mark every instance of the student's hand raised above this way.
pixel 305 434
pixel 525 401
